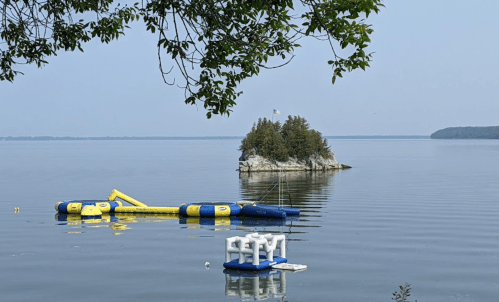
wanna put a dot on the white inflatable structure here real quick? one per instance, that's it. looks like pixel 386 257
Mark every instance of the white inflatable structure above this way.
pixel 252 244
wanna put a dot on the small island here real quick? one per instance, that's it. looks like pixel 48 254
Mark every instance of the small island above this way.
pixel 292 146
pixel 467 133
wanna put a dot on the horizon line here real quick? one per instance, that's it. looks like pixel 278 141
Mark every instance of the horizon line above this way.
pixel 61 138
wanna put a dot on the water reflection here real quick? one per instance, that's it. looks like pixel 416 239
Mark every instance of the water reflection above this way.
pixel 271 283
pixel 236 220
pixel 255 286
pixel 120 221
pixel 308 191
pixel 114 221
pixel 299 188
pixel 77 219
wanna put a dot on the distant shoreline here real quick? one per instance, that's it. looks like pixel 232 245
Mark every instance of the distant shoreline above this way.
pixel 490 132
pixel 377 136
pixel 114 138
pixel 160 138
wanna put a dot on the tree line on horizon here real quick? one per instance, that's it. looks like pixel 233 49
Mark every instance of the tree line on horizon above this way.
pixel 279 142
pixel 467 133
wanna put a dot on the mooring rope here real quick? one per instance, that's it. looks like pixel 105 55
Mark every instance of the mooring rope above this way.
pixel 268 191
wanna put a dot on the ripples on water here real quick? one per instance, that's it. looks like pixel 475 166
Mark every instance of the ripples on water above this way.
pixel 417 211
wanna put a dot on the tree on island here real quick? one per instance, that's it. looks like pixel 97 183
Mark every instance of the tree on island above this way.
pixel 278 143
pixel 214 45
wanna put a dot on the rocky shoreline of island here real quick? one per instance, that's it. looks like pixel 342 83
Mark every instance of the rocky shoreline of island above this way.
pixel 257 163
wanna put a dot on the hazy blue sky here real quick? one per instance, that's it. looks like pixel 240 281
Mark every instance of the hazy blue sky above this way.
pixel 435 66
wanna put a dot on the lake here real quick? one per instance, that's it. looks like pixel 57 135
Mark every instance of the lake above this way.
pixel 420 211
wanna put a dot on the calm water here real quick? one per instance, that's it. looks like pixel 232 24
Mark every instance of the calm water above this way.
pixel 418 211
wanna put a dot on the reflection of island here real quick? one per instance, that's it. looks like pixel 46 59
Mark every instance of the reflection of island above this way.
pixel 307 191
pixel 260 285
pixel 298 188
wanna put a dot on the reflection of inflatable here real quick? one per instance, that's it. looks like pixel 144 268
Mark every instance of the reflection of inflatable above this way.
pixel 259 285
pixel 215 221
pixel 78 219
pixel 206 221
pixel 115 221
pixel 95 208
pixel 237 221
pixel 248 249
pixel 114 217
pixel 249 221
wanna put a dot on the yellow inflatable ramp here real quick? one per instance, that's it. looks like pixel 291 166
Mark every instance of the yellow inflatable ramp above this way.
pixel 115 193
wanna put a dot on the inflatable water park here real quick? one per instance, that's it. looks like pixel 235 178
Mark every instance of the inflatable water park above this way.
pixel 249 248
pixel 114 204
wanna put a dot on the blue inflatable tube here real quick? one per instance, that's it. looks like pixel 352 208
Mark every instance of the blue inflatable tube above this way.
pixel 262 211
pixel 289 211
pixel 75 206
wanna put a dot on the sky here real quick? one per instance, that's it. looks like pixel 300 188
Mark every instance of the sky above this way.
pixel 435 66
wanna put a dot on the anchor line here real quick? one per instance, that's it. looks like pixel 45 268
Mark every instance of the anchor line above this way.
pixel 268 191
pixel 289 194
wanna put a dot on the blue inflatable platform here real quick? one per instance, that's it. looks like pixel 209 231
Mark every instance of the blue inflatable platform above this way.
pixel 248 266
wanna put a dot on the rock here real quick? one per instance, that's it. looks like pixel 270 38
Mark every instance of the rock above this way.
pixel 257 163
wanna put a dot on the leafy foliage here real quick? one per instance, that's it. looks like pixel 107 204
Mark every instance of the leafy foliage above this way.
pixel 403 295
pixel 265 139
pixel 32 30
pixel 213 44
pixel 301 141
pixel 293 139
